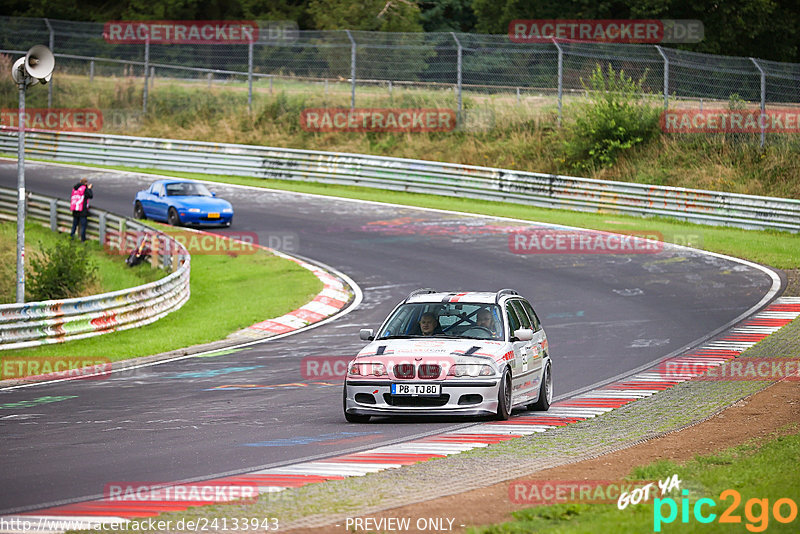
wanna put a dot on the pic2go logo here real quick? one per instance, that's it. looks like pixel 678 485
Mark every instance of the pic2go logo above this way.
pixel 756 511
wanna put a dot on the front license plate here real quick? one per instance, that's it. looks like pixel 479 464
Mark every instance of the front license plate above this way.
pixel 417 390
pixel 213 215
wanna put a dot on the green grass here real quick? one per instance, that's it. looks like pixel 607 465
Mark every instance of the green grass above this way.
pixel 770 247
pixel 112 273
pixel 756 470
pixel 227 293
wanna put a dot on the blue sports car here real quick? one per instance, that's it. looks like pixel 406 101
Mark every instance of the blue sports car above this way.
pixel 182 202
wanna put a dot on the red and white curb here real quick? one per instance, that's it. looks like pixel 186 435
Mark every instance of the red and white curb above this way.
pixel 86 515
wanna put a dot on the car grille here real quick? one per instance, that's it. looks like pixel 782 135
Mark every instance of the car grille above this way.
pixel 429 370
pixel 404 370
pixel 419 402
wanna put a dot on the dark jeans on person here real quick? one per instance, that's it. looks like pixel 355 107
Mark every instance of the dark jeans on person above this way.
pixel 83 219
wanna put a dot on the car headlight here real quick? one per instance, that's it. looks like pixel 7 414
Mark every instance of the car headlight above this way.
pixel 227 210
pixel 470 369
pixel 194 210
pixel 367 369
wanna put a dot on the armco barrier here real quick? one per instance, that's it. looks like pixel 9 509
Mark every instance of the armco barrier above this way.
pixel 544 190
pixel 54 321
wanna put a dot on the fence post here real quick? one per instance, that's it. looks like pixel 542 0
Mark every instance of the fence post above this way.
pixel 458 72
pixel 761 118
pixel 666 77
pixel 250 76
pixel 560 81
pixel 91 71
pixel 352 70
pixel 52 47
pixel 146 71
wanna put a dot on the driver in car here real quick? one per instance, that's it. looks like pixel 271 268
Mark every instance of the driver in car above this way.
pixel 429 324
pixel 485 319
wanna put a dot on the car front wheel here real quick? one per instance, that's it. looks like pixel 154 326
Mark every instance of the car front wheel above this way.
pixel 173 218
pixel 545 392
pixel 504 397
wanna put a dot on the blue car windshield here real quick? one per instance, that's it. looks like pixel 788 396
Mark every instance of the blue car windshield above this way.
pixel 187 189
pixel 445 319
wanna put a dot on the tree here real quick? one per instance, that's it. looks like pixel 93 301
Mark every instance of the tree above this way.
pixel 374 15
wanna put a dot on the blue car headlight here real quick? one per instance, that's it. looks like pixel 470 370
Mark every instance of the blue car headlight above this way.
pixel 194 210
pixel 227 210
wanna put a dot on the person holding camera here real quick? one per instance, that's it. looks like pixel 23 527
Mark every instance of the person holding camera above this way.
pixel 79 204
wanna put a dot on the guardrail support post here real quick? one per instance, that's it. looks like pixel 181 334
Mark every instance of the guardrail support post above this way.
pixel 458 72
pixel 101 228
pixel 123 238
pixel 762 117
pixel 352 70
pixel 54 215
pixel 666 76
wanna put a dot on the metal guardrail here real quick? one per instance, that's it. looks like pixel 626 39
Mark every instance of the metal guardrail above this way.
pixel 55 321
pixel 419 176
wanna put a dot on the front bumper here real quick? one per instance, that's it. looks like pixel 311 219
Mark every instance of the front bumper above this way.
pixel 467 397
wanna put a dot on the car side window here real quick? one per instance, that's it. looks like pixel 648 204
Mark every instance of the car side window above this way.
pixel 157 188
pixel 537 325
pixel 513 321
pixel 523 317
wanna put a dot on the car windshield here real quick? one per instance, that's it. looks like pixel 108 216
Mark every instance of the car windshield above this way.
pixel 444 319
pixel 187 189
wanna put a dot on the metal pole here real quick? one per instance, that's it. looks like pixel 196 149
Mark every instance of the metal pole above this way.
pixel 560 81
pixel 146 70
pixel 458 71
pixel 763 101
pixel 352 70
pixel 50 85
pixel 250 76
pixel 666 77
pixel 91 71
pixel 21 192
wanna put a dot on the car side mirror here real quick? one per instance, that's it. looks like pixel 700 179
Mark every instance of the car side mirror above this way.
pixel 213 194
pixel 523 334
pixel 366 334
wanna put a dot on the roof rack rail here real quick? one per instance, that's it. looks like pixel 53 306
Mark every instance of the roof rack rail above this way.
pixel 421 291
pixel 504 292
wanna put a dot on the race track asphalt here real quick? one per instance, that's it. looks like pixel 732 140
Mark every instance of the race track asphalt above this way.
pixel 604 315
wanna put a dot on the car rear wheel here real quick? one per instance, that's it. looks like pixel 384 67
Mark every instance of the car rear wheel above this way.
pixel 172 217
pixel 504 397
pixel 545 392
pixel 138 211
pixel 352 417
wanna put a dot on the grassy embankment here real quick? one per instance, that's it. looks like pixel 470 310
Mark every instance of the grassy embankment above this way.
pixel 501 131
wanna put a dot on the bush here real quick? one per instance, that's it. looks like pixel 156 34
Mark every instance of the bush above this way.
pixel 63 271
pixel 614 120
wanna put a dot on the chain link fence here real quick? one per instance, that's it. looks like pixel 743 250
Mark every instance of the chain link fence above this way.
pixel 453 65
